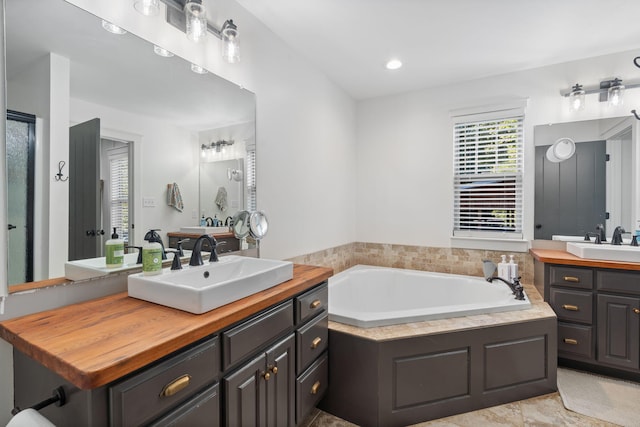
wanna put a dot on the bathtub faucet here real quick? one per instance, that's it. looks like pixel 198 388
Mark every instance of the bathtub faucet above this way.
pixel 490 268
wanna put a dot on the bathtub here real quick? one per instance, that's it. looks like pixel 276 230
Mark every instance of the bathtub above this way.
pixel 367 296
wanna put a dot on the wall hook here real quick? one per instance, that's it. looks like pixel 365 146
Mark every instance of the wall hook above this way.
pixel 59 176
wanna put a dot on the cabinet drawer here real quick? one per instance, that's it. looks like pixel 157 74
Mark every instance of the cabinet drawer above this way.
pixel 574 306
pixel 201 411
pixel 311 341
pixel 575 340
pixel 311 386
pixel 245 339
pixel 311 303
pixel 619 281
pixel 143 397
pixel 574 277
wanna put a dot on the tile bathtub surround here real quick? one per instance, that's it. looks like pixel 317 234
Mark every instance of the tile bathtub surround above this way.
pixel 441 260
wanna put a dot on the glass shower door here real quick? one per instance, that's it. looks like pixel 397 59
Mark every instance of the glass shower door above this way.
pixel 20 193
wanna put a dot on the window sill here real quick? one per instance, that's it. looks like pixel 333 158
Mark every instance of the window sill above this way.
pixel 495 244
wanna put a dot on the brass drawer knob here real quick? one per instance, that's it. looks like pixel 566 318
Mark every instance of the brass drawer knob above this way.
pixel 570 341
pixel 636 310
pixel 570 307
pixel 571 279
pixel 315 304
pixel 175 386
pixel 315 343
pixel 267 376
pixel 274 369
pixel 315 387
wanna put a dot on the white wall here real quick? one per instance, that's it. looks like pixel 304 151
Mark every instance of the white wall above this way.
pixel 405 162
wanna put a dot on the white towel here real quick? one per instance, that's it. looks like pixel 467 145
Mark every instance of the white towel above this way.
pixel 174 198
pixel 221 199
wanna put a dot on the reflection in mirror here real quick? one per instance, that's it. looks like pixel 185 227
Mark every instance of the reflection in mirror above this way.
pixel 593 186
pixel 154 114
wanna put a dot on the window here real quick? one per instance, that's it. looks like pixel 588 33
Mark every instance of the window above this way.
pixel 488 170
pixel 251 181
pixel 119 194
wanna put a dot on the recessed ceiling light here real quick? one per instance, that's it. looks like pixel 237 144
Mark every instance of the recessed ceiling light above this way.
pixel 112 28
pixel 198 69
pixel 393 64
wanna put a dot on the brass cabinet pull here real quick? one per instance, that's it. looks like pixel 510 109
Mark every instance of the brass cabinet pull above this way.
pixel 315 387
pixel 267 376
pixel 636 310
pixel 315 343
pixel 571 279
pixel 273 369
pixel 570 307
pixel 175 386
pixel 315 304
pixel 570 341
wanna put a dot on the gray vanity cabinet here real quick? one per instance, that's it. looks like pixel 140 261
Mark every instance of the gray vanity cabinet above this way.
pixel 598 317
pixel 260 393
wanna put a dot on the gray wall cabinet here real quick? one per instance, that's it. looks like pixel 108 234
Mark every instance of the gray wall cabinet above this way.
pixel 267 370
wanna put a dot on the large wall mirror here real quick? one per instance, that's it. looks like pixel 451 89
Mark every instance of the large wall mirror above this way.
pixel 104 119
pixel 595 185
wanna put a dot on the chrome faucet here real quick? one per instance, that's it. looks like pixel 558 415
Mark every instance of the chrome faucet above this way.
pixel 616 239
pixel 490 268
pixel 196 254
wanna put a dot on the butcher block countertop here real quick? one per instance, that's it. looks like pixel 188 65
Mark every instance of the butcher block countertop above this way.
pixel 93 343
pixel 554 256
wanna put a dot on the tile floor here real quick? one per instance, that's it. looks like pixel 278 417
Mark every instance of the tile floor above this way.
pixel 544 410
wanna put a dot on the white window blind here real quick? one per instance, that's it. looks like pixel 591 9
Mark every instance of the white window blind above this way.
pixel 488 170
pixel 119 196
pixel 251 181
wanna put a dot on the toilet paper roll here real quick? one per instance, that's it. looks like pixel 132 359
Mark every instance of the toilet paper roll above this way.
pixel 29 418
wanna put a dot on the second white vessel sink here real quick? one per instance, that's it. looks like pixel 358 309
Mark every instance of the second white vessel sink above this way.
pixel 605 251
pixel 204 230
pixel 212 285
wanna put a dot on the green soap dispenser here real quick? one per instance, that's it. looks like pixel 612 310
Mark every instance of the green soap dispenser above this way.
pixel 114 249
pixel 151 258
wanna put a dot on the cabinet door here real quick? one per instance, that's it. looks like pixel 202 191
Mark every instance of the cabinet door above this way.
pixel 281 383
pixel 245 394
pixel 618 329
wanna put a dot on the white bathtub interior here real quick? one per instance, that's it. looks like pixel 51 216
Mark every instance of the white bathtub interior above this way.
pixel 367 296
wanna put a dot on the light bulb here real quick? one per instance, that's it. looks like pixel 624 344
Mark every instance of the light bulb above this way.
pixel 160 51
pixel 616 91
pixel 198 69
pixel 112 28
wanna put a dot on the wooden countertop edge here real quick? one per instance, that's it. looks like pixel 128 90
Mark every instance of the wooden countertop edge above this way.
pixel 72 363
pixel 555 256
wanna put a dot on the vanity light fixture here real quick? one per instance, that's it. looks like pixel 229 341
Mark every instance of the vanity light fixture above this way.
pixel 147 7
pixel 160 51
pixel 112 28
pixel 190 17
pixel 610 91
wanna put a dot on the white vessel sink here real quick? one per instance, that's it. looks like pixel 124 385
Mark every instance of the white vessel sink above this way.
pixel 83 269
pixel 212 285
pixel 605 251
pixel 204 230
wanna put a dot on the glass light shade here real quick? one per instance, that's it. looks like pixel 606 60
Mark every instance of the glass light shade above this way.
pixel 196 16
pixel 616 92
pixel 147 7
pixel 231 44
pixel 198 69
pixel 160 51
pixel 576 98
pixel 112 28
